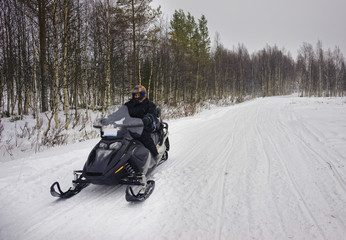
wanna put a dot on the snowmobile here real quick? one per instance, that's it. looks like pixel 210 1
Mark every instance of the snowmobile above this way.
pixel 119 158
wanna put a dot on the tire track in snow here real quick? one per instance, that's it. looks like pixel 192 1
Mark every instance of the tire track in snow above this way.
pixel 203 162
pixel 297 192
pixel 263 148
pixel 315 149
pixel 221 196
pixel 248 179
pixel 313 153
pixel 259 174
pixel 294 186
pixel 323 156
pixel 255 175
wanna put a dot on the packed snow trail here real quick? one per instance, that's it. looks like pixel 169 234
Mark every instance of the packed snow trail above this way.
pixel 271 168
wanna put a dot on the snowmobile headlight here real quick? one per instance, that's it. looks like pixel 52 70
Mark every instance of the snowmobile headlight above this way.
pixel 115 146
pixel 103 145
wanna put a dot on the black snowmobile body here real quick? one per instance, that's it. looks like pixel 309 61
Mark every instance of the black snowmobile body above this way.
pixel 119 158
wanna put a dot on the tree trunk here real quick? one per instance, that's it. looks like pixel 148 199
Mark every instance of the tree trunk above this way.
pixel 66 97
pixel 56 68
pixel 94 90
pixel 134 54
pixel 36 111
pixel 85 79
pixel 108 71
pixel 197 84
pixel 150 77
pixel 43 61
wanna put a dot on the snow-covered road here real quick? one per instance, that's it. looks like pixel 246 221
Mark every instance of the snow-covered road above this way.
pixel 271 168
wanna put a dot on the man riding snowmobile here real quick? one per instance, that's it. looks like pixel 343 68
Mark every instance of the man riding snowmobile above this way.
pixel 141 107
pixel 134 141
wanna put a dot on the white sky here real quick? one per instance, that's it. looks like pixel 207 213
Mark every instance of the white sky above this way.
pixel 255 23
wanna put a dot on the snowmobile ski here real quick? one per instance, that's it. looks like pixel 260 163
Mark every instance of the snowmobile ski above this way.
pixel 69 193
pixel 140 197
pixel 78 184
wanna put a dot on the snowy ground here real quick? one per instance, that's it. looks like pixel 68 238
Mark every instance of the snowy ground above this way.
pixel 271 168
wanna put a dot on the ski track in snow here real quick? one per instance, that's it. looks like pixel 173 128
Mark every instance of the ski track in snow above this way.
pixel 270 168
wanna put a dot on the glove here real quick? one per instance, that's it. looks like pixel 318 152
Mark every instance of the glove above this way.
pixel 149 123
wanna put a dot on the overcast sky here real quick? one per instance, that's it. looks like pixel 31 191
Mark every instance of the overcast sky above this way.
pixel 255 23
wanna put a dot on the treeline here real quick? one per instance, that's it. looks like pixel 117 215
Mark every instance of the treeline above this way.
pixel 87 54
pixel 320 73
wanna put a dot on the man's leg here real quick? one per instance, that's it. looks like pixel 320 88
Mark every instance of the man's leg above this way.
pixel 148 142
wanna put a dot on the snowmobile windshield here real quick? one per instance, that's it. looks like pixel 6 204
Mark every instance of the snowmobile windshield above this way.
pixel 122 119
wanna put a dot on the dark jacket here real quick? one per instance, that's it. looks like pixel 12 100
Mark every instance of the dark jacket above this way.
pixel 139 110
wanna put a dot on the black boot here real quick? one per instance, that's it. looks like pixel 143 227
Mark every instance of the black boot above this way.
pixel 156 157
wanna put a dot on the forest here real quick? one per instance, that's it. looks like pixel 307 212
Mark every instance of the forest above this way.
pixel 68 55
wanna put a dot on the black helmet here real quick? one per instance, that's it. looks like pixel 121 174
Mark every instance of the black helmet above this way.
pixel 139 93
